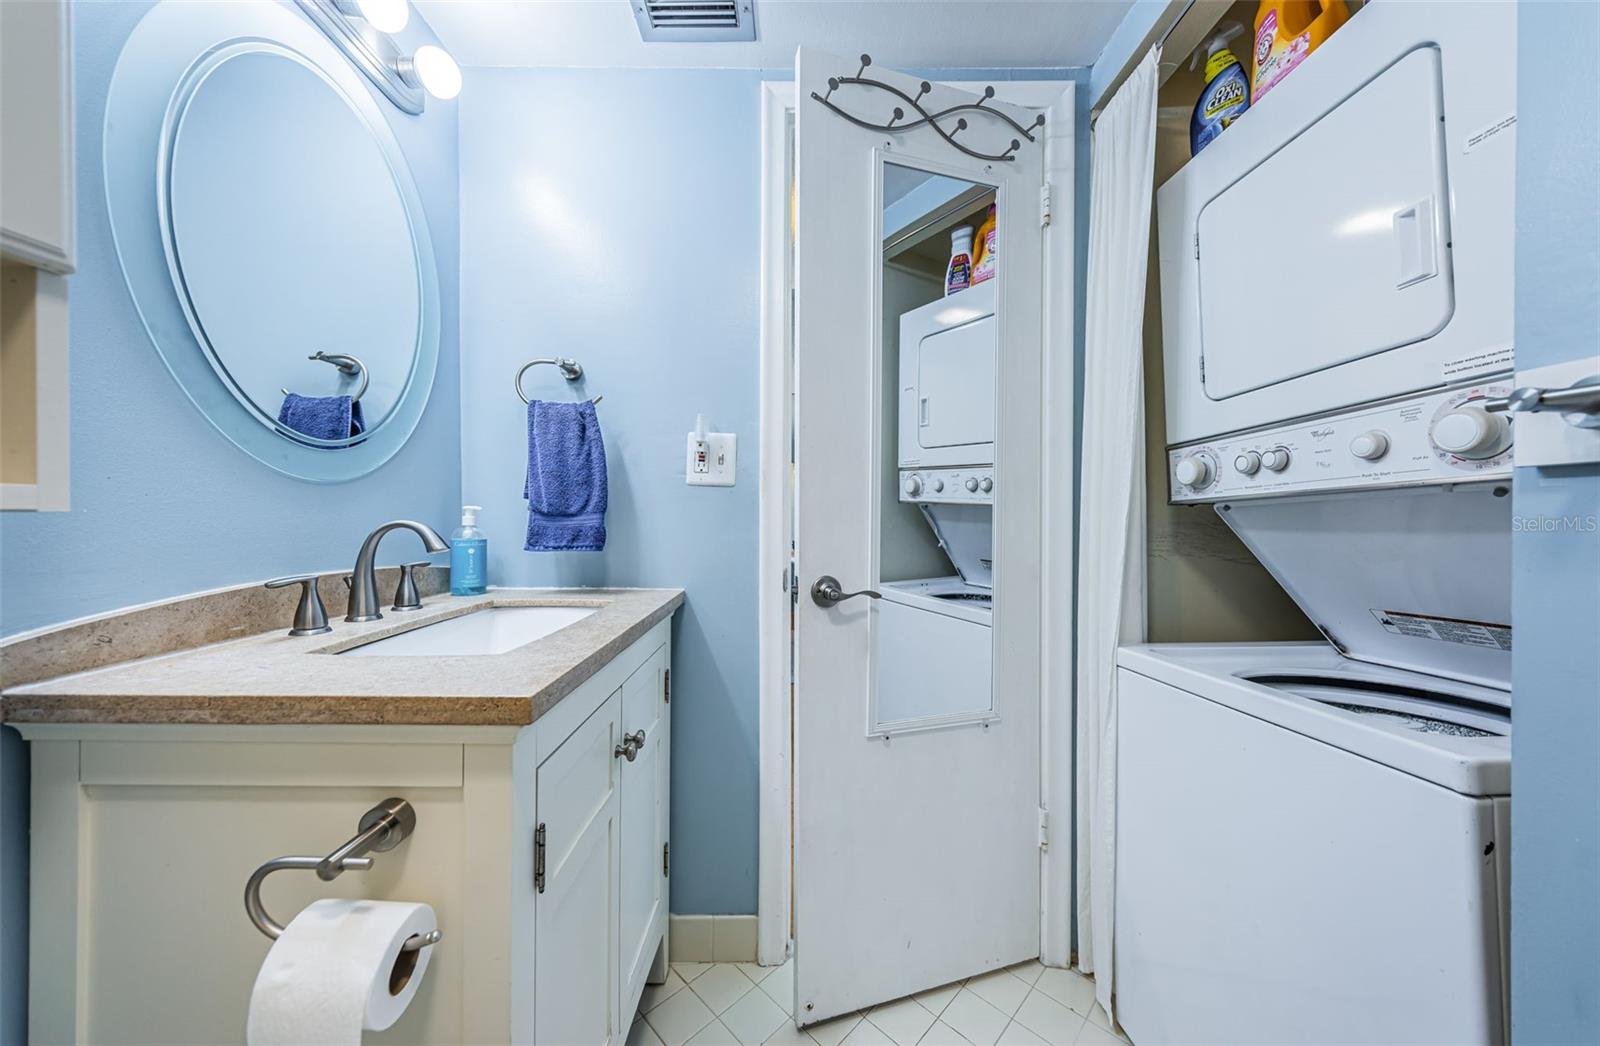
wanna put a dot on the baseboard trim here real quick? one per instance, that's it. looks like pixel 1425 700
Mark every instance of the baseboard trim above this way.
pixel 712 938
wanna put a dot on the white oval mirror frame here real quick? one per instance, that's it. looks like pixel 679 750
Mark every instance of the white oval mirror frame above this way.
pixel 171 54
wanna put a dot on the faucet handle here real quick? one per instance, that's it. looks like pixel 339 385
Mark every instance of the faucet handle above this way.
pixel 310 617
pixel 405 594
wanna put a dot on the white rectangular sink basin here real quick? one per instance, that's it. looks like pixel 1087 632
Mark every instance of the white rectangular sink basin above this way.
pixel 494 630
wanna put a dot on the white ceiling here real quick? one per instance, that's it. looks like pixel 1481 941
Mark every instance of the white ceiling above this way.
pixel 906 34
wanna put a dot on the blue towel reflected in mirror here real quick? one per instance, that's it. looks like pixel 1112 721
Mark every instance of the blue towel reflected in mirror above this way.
pixel 322 417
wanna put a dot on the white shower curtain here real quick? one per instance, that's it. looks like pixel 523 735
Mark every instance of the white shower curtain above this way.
pixel 1111 548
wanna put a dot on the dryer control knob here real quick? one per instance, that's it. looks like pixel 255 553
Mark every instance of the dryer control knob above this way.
pixel 1248 463
pixel 912 485
pixel 1469 431
pixel 986 484
pixel 938 486
pixel 1370 445
pixel 1276 459
pixel 971 485
pixel 1193 472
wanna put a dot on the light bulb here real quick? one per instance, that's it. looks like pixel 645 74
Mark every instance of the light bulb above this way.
pixel 386 16
pixel 438 73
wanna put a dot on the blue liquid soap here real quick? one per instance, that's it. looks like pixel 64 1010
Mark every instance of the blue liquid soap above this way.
pixel 469 555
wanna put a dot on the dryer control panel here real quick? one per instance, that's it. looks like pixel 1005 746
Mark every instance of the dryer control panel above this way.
pixel 1444 437
pixel 966 486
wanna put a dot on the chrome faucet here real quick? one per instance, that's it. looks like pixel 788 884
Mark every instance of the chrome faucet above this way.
pixel 363 582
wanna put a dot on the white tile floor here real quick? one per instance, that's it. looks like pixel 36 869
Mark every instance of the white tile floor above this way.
pixel 741 1004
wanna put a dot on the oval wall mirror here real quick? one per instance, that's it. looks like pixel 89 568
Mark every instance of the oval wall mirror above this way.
pixel 288 238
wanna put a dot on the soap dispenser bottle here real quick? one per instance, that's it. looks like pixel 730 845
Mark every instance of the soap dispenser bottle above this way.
pixel 469 555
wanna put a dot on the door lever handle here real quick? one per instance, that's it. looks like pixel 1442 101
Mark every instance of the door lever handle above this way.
pixel 1579 404
pixel 827 592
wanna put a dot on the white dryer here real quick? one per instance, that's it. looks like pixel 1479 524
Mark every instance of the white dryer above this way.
pixel 1350 238
pixel 947 368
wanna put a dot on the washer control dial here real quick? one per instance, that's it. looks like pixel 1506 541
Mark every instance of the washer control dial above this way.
pixel 938 486
pixel 1471 432
pixel 912 485
pixel 986 484
pixel 1193 472
pixel 971 485
pixel 1276 459
pixel 1370 445
pixel 1248 463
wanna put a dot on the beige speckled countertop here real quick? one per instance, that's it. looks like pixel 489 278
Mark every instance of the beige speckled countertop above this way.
pixel 275 678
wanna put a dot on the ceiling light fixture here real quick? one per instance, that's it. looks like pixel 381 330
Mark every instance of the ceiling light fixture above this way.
pixel 433 70
pixel 386 16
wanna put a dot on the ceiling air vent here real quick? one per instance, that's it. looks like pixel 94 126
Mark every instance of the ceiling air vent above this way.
pixel 695 21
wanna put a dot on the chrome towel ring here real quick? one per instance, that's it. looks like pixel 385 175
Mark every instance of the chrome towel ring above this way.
pixel 347 365
pixel 570 369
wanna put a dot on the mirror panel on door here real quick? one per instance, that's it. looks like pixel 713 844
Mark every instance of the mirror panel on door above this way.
pixel 939 328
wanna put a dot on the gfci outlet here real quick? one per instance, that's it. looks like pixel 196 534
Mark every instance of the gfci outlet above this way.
pixel 713 457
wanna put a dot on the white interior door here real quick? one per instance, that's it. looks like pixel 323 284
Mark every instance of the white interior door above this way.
pixel 916 857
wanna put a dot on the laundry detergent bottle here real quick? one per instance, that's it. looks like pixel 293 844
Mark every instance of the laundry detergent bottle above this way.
pixel 1286 32
pixel 1226 94
pixel 958 274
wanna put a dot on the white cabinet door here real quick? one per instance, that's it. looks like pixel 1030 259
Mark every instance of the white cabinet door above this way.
pixel 36 210
pixel 644 825
pixel 575 868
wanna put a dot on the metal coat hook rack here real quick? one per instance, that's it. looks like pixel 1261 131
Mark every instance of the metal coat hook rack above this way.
pixel 931 119
pixel 570 369
pixel 380 830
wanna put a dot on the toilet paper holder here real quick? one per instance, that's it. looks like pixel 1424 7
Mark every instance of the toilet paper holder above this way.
pixel 380 829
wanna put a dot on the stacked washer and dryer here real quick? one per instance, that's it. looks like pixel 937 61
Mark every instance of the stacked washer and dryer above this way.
pixel 1313 838
pixel 935 649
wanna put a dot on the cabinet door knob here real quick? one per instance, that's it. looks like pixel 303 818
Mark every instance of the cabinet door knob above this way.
pixel 630 746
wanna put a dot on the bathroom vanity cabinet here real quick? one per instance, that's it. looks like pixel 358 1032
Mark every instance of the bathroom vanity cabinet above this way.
pixel 542 847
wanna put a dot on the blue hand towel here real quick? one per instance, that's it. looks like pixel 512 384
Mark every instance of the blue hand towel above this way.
pixel 566 481
pixel 322 417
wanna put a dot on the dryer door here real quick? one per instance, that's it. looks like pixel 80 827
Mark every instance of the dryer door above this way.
pixel 1300 271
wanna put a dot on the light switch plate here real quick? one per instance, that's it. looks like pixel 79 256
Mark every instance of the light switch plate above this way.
pixel 722 459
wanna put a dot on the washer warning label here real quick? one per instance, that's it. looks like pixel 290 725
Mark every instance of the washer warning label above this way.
pixel 1445 629
pixel 1479 362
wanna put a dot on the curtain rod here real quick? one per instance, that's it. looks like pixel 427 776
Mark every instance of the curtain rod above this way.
pixel 1160 41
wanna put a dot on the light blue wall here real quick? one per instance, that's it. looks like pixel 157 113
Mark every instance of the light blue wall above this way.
pixel 1555 824
pixel 163 505
pixel 612 216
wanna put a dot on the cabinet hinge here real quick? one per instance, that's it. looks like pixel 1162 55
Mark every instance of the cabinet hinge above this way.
pixel 1202 370
pixel 1196 246
pixel 538 859
pixel 1044 829
pixel 666 858
pixel 666 686
pixel 1044 205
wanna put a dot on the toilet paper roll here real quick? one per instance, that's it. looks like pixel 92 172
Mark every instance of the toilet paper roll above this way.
pixel 338 970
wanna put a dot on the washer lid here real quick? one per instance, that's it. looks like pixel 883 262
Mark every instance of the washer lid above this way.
pixel 1418 578
pixel 966 533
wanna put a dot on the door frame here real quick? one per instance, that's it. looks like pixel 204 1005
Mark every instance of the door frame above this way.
pixel 1058 463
